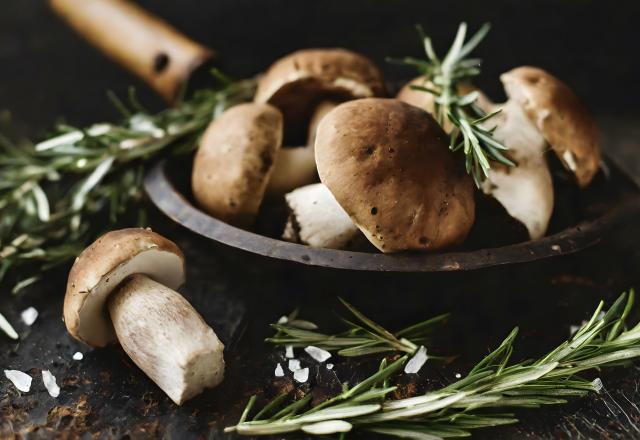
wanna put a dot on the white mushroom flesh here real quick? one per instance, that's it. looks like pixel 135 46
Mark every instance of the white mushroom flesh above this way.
pixel 164 267
pixel 317 219
pixel 296 166
pixel 166 337
pixel 293 167
pixel 525 191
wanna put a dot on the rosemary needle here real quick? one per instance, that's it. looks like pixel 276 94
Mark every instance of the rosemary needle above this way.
pixel 443 78
pixel 486 397
pixel 362 336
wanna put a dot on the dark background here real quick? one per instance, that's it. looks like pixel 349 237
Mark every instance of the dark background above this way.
pixel 47 72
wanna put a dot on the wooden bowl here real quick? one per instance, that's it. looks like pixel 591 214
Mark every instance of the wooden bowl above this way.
pixel 582 219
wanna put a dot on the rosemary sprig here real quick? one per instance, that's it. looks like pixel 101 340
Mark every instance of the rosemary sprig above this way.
pixel 486 397
pixel 443 78
pixel 363 336
pixel 55 196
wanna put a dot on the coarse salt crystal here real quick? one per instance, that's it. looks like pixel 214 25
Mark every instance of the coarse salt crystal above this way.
pixel 597 385
pixel 279 371
pixel 417 361
pixel 329 366
pixel 294 365
pixel 20 380
pixel 29 315
pixel 283 320
pixel 50 384
pixel 317 353
pixel 77 356
pixel 458 375
pixel 301 375
pixel 288 351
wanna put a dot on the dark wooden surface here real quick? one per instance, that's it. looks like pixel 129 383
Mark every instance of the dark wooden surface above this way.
pixel 46 72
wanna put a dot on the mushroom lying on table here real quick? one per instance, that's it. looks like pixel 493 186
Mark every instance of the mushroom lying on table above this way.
pixel 129 276
pixel 389 166
pixel 305 85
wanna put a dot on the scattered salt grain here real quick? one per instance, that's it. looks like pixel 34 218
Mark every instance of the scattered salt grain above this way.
pixel 77 356
pixel 288 351
pixel 597 385
pixel 301 375
pixel 458 375
pixel 317 353
pixel 7 328
pixel 20 380
pixel 283 320
pixel 417 361
pixel 279 371
pixel 556 248
pixel 29 315
pixel 294 365
pixel 50 384
pixel 329 366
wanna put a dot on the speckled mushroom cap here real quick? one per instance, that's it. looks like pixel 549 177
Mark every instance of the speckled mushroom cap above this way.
pixel 389 166
pixel 102 266
pixel 235 160
pixel 561 117
pixel 299 81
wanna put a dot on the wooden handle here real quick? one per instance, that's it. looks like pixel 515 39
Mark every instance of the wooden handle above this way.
pixel 146 45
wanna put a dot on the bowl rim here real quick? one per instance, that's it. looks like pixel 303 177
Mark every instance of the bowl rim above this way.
pixel 175 205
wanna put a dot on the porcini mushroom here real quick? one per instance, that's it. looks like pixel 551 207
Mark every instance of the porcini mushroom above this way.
pixel 296 166
pixel 540 111
pixel 317 219
pixel 526 190
pixel 297 82
pixel 305 85
pixel 235 160
pixel 560 116
pixel 389 166
pixel 122 288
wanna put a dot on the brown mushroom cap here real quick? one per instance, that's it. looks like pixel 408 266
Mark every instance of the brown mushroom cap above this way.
pixel 234 162
pixel 389 166
pixel 101 267
pixel 299 81
pixel 561 117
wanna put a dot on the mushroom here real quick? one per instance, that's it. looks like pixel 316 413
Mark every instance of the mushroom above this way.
pixel 317 219
pixel 235 160
pixel 540 111
pixel 122 288
pixel 296 166
pixel 299 81
pixel 526 190
pixel 305 85
pixel 389 166
pixel 557 112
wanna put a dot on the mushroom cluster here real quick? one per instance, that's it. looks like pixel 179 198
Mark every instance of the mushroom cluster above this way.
pixel 122 288
pixel 385 169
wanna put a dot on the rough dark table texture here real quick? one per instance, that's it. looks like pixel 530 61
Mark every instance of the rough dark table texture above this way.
pixel 46 71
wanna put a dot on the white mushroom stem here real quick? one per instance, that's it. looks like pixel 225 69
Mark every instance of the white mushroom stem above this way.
pixel 317 219
pixel 165 336
pixel 525 191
